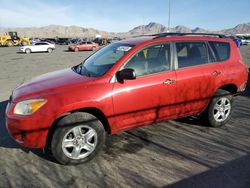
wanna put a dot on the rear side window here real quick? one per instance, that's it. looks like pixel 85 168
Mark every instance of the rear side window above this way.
pixel 191 54
pixel 221 50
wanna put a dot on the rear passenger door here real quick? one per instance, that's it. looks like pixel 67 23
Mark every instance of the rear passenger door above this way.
pixel 89 45
pixel 83 46
pixel 198 76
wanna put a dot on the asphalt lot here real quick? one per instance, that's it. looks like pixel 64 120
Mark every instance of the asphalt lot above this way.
pixel 180 153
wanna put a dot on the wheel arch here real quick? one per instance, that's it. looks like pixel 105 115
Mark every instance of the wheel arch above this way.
pixel 91 110
pixel 232 88
pixel 28 49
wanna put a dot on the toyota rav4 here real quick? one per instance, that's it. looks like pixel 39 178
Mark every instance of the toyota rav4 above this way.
pixel 124 85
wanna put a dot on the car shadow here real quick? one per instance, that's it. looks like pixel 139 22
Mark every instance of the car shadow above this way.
pixel 5 140
pixel 233 174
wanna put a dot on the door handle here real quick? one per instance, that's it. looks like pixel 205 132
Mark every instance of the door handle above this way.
pixel 216 73
pixel 168 82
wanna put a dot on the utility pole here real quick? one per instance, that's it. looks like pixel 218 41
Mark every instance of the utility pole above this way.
pixel 168 15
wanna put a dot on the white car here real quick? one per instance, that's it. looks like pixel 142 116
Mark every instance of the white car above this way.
pixel 38 47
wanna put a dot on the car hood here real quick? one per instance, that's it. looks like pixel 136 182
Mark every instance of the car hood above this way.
pixel 49 83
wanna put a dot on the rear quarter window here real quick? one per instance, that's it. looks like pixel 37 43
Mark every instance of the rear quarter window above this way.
pixel 221 50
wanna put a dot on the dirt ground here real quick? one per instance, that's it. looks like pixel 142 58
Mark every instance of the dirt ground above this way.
pixel 172 154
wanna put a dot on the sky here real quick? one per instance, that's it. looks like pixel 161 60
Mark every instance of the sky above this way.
pixel 124 15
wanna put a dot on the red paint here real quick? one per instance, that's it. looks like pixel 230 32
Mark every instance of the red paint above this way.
pixel 84 46
pixel 134 103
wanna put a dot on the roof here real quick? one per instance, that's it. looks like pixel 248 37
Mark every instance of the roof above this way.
pixel 137 40
pixel 187 36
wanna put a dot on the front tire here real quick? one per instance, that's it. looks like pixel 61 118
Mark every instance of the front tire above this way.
pixel 219 111
pixel 78 138
pixel 27 51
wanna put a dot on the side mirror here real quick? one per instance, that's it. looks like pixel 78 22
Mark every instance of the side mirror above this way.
pixel 125 74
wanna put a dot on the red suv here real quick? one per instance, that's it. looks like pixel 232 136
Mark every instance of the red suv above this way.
pixel 125 85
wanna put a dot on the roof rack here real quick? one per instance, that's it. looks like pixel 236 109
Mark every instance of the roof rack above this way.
pixel 161 35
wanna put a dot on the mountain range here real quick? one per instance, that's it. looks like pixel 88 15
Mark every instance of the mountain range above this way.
pixel 151 28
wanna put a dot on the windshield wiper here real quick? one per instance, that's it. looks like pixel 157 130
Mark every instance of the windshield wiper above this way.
pixel 82 70
pixel 86 72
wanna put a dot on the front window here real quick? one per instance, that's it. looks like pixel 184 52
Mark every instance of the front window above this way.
pixel 100 62
pixel 151 60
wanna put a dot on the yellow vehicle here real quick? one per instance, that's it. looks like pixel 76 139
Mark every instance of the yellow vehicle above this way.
pixel 12 39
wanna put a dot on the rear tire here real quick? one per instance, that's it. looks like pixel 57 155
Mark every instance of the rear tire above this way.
pixel 50 50
pixel 27 51
pixel 77 139
pixel 219 110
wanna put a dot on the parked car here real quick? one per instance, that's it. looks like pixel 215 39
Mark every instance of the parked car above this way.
pixel 237 40
pixel 245 40
pixel 125 85
pixel 75 41
pixel 63 41
pixel 85 45
pixel 101 41
pixel 38 47
pixel 34 40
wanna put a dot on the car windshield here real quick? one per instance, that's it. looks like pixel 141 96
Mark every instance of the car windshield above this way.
pixel 100 62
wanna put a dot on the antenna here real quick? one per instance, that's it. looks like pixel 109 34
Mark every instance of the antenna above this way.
pixel 169 15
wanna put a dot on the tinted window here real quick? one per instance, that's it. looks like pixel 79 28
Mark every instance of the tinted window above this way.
pixel 151 60
pixel 221 50
pixel 41 43
pixel 89 43
pixel 191 54
pixel 211 55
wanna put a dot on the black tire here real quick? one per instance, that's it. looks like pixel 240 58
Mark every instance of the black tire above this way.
pixel 212 114
pixel 76 49
pixel 27 51
pixel 63 130
pixel 50 50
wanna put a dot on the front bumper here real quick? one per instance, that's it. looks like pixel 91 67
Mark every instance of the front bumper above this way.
pixel 28 131
pixel 21 49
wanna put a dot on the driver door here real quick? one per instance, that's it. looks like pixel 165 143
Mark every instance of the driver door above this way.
pixel 151 96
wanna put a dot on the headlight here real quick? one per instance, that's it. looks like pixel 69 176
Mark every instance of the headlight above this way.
pixel 29 107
